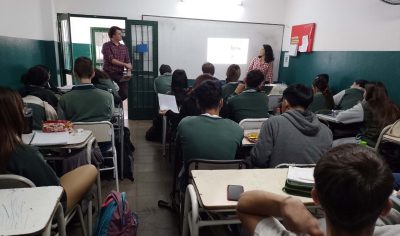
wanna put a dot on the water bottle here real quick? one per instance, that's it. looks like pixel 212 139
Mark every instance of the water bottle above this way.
pixel 28 119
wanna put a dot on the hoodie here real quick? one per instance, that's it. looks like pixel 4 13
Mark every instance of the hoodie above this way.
pixel 294 137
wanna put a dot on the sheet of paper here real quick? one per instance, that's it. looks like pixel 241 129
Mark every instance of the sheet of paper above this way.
pixel 48 139
pixel 286 60
pixel 304 175
pixel 167 102
pixel 293 48
pixel 304 44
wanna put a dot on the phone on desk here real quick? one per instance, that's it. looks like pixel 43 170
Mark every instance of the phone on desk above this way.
pixel 234 192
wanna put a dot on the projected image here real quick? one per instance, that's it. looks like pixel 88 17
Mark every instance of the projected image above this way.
pixel 227 50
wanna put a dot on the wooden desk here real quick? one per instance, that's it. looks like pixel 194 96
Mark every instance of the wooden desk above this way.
pixel 29 210
pixel 75 140
pixel 211 185
pixel 246 142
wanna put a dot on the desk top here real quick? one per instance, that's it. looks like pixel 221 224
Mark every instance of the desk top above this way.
pixel 27 210
pixel 75 139
pixel 245 141
pixel 211 185
pixel 391 139
pixel 327 118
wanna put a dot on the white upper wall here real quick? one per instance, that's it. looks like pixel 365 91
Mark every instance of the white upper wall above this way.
pixel 347 25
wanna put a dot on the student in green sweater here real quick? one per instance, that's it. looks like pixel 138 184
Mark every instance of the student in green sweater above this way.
pixel 248 101
pixel 103 81
pixel 231 82
pixel 348 98
pixel 323 100
pixel 85 102
pixel 24 160
pixel 162 84
pixel 208 136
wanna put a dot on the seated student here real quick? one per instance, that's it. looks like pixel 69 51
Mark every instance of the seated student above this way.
pixel 352 185
pixel 376 111
pixel 20 159
pixel 208 136
pixel 208 68
pixel 35 84
pixel 231 82
pixel 296 136
pixel 85 102
pixel 179 86
pixel 323 100
pixel 162 84
pixel 347 98
pixel 247 100
pixel 102 81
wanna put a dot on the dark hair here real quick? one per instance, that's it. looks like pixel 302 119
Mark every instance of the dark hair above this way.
pixel 83 67
pixel 298 95
pixel 201 79
pixel 179 82
pixel 113 30
pixel 208 94
pixel 323 77
pixel 11 124
pixel 361 82
pixel 208 68
pixel 384 111
pixel 232 73
pixel 269 54
pixel 353 185
pixel 35 76
pixel 165 69
pixel 99 74
pixel 254 78
pixel 321 83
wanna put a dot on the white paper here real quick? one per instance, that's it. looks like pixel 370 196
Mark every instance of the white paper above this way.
pixel 303 175
pixel 304 44
pixel 48 139
pixel 293 48
pixel 286 60
pixel 167 102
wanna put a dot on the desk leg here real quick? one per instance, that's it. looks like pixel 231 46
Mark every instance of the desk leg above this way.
pixel 190 219
pixel 164 134
pixel 121 139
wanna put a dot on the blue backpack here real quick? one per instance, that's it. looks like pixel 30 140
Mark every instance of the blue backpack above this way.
pixel 115 217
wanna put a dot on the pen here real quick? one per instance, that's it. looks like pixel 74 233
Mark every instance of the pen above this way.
pixel 33 136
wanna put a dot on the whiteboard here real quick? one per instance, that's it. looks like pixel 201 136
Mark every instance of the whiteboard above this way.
pixel 182 42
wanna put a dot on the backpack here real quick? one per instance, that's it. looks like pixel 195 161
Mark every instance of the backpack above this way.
pixel 115 217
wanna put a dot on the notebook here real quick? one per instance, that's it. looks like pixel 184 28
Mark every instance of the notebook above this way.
pixel 49 139
pixel 167 102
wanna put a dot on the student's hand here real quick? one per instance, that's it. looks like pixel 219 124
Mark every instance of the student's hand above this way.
pixel 162 112
pixel 239 89
pixel 298 219
pixel 128 66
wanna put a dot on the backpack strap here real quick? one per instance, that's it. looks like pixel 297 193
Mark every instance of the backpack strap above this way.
pixel 120 200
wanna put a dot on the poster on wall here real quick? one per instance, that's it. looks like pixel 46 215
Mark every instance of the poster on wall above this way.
pixel 303 37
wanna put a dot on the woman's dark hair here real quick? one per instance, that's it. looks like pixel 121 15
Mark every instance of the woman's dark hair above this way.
pixel 361 82
pixel 321 84
pixel 35 76
pixel 99 74
pixel 298 95
pixel 232 73
pixel 83 67
pixel 165 69
pixel 385 112
pixel 353 185
pixel 179 82
pixel 254 78
pixel 324 77
pixel 113 30
pixel 201 79
pixel 269 54
pixel 208 94
pixel 11 124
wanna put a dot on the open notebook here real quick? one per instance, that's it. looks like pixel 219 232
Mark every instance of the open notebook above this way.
pixel 167 102
pixel 48 139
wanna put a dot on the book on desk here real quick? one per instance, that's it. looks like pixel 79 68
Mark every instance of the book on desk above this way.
pixel 48 139
pixel 299 181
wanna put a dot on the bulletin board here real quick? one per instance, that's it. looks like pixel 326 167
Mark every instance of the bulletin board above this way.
pixel 303 36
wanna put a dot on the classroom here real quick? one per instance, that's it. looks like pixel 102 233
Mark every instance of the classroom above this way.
pixel 200 117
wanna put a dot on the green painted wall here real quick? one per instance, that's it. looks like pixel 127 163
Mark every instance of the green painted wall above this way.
pixel 345 67
pixel 18 55
pixel 81 50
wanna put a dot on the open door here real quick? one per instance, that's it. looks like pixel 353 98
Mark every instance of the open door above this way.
pixel 141 39
pixel 65 47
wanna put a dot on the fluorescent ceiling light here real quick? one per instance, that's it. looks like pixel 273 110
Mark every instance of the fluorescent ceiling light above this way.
pixel 225 2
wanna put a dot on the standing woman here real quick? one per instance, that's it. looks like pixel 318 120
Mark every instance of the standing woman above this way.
pixel 264 62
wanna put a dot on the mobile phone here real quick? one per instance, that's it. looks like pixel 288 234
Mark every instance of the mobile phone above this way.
pixel 234 192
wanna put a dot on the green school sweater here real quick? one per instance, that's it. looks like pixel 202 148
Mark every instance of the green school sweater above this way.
pixel 85 103
pixel 228 89
pixel 371 129
pixel 212 138
pixel 248 104
pixel 162 84
pixel 28 162
pixel 350 98
pixel 39 115
pixel 319 103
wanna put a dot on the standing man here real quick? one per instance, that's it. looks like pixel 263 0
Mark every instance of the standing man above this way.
pixel 116 59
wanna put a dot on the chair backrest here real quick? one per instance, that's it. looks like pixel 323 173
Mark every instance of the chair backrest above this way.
pixel 247 124
pixel 383 132
pixel 14 181
pixel 273 101
pixel 103 131
pixel 286 165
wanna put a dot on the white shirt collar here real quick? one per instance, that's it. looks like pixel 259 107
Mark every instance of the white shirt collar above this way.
pixel 209 115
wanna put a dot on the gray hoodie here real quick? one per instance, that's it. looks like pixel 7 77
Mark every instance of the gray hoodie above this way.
pixel 293 137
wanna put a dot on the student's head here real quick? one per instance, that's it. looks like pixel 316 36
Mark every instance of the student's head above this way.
pixel 11 123
pixel 201 79
pixel 320 84
pixel 99 74
pixel 232 73
pixel 209 95
pixel 165 69
pixel 323 77
pixel 179 81
pixel 115 33
pixel 208 68
pixel 359 83
pixel 267 51
pixel 297 96
pixel 353 185
pixel 83 68
pixel 36 75
pixel 254 79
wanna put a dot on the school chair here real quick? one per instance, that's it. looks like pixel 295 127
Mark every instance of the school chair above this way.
pixel 250 123
pixel 380 138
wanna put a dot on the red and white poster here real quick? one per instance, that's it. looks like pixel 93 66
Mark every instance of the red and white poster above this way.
pixel 303 36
